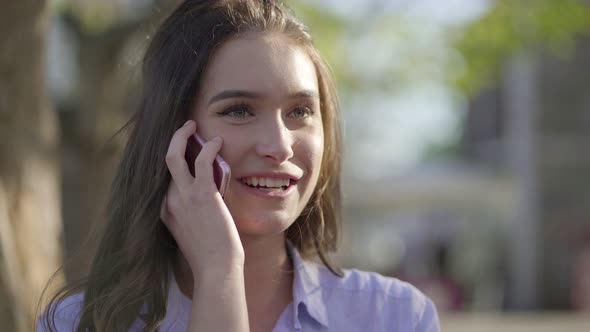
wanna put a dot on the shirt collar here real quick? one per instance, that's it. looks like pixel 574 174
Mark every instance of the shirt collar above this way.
pixel 307 289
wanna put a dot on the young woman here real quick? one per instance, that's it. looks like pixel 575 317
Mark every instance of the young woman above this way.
pixel 176 256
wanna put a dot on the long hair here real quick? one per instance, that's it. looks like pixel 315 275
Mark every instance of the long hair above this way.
pixel 129 274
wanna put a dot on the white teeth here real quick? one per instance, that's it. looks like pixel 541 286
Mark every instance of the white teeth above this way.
pixel 266 182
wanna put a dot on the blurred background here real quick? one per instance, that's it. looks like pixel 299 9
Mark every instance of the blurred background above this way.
pixel 467 146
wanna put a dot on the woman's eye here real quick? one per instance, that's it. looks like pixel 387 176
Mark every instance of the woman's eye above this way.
pixel 301 112
pixel 239 112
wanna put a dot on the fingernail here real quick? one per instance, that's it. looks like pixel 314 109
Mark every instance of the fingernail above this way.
pixel 187 122
pixel 218 138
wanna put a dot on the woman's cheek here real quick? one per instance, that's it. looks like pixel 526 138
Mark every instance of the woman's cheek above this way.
pixel 317 147
pixel 232 145
pixel 309 153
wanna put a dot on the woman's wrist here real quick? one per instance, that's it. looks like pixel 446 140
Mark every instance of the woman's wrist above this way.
pixel 219 301
pixel 217 275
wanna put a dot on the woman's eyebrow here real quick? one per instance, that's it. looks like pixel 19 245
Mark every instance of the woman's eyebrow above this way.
pixel 233 94
pixel 227 94
pixel 304 94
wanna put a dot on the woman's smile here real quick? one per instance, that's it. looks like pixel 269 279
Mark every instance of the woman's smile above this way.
pixel 270 185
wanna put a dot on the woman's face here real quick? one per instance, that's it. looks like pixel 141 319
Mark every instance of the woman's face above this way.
pixel 260 94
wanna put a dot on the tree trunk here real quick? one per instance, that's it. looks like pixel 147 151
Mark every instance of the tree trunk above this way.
pixel 89 158
pixel 30 219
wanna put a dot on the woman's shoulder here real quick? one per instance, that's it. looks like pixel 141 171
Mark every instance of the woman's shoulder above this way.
pixel 64 314
pixel 391 301
pixel 356 288
pixel 70 306
pixel 365 282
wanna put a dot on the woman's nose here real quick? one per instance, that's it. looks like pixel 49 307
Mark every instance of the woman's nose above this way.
pixel 275 141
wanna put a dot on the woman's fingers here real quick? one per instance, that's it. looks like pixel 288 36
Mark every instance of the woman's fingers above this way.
pixel 182 189
pixel 194 212
pixel 176 152
pixel 204 161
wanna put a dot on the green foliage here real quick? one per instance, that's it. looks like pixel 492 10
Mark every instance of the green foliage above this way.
pixel 328 31
pixel 516 26
pixel 483 46
pixel 359 49
pixel 93 17
pixel 98 17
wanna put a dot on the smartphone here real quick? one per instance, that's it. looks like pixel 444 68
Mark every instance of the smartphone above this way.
pixel 221 170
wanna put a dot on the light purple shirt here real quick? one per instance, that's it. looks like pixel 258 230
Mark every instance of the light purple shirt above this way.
pixel 360 301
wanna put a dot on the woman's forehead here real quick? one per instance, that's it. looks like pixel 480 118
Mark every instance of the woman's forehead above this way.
pixel 262 64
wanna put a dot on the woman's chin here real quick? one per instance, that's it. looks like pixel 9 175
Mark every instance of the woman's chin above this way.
pixel 263 224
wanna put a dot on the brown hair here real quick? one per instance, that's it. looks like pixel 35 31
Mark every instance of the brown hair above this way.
pixel 129 274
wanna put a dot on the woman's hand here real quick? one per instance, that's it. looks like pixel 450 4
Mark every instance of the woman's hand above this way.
pixel 194 211
pixel 199 220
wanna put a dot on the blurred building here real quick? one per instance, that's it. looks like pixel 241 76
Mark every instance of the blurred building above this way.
pixel 536 124
pixel 505 225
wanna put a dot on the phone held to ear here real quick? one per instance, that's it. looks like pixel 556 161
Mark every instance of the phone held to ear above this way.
pixel 221 170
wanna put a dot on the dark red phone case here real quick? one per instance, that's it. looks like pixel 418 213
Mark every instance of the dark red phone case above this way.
pixel 221 170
